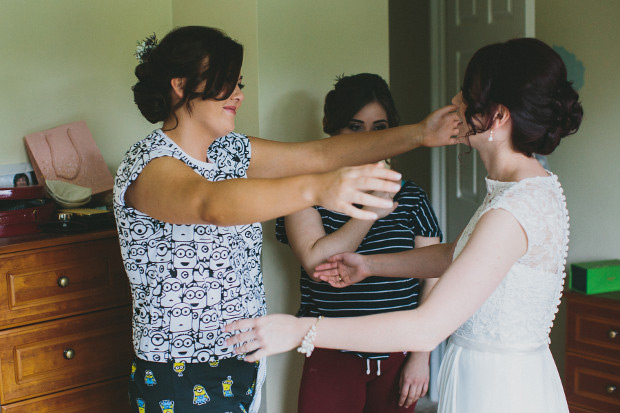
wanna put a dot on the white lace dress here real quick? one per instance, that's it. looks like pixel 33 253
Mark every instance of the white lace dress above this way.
pixel 499 361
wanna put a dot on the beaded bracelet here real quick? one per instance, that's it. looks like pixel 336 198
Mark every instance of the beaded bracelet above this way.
pixel 307 344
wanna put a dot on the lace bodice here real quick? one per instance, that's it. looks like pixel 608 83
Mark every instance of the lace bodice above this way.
pixel 520 312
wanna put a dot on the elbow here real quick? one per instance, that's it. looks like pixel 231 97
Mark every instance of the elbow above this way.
pixel 209 214
pixel 309 267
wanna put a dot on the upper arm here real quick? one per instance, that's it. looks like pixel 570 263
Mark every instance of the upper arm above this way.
pixel 272 159
pixel 496 243
pixel 303 230
pixel 167 190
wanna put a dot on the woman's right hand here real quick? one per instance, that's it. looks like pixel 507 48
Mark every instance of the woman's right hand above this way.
pixel 342 270
pixel 339 190
pixel 382 212
pixel 441 127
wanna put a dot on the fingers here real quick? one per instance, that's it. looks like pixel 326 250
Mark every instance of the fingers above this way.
pixel 409 394
pixel 375 201
pixel 244 324
pixel 404 391
pixel 374 177
pixel 446 110
pixel 358 213
pixel 335 281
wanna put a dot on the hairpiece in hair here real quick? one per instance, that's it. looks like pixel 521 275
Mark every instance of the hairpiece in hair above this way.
pixel 145 47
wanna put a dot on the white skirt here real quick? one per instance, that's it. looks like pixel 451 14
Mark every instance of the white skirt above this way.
pixel 476 378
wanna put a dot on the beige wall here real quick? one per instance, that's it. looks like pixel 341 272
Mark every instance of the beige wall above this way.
pixel 587 163
pixel 68 60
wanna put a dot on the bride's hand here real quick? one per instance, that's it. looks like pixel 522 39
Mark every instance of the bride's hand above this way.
pixel 343 269
pixel 264 336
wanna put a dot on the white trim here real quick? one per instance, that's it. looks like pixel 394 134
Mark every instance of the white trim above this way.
pixel 530 18
pixel 438 155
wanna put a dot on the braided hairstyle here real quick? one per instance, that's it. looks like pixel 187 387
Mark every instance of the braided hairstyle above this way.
pixel 529 78
pixel 196 53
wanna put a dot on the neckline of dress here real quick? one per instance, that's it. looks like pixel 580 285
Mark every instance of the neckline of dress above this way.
pixel 190 157
pixel 495 184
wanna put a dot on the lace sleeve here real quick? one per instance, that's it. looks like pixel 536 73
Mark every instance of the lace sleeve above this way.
pixel 539 209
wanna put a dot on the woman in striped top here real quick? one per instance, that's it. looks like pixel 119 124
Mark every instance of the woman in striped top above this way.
pixel 361 103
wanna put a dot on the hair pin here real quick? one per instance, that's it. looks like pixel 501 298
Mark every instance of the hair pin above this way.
pixel 145 47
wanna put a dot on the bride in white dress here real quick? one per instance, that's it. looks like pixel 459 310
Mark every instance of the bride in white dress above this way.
pixel 501 280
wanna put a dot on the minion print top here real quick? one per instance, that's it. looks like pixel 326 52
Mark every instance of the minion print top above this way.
pixel 188 281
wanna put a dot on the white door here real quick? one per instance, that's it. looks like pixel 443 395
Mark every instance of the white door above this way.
pixel 469 25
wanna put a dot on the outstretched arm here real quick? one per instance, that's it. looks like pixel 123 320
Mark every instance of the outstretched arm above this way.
pixel 345 269
pixel 170 191
pixel 272 159
pixel 497 242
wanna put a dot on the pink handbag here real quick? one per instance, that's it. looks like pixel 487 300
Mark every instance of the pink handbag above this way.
pixel 69 153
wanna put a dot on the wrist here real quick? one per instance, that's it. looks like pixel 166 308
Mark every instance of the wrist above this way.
pixel 308 325
pixel 311 189
pixel 370 266
pixel 417 134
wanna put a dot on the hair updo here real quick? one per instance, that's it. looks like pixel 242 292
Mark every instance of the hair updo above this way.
pixel 195 53
pixel 529 78
pixel 352 93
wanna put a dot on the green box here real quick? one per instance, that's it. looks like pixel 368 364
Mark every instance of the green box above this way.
pixel 595 277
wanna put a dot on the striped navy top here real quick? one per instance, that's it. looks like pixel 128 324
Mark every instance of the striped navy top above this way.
pixel 393 233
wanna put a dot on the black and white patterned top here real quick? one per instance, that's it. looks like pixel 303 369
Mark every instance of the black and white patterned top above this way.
pixel 188 281
pixel 394 233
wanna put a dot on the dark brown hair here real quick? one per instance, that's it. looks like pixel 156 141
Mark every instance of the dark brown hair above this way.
pixel 352 93
pixel 196 53
pixel 529 78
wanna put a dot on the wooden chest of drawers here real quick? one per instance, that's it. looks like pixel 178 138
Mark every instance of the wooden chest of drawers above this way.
pixel 593 352
pixel 65 324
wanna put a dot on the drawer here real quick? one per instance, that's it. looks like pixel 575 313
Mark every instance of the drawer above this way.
pixel 593 330
pixel 592 383
pixel 57 355
pixel 47 283
pixel 109 396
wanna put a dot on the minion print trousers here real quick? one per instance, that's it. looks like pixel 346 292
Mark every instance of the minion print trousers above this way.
pixel 223 386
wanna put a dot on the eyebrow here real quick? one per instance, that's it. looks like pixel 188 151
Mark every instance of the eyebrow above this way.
pixel 377 121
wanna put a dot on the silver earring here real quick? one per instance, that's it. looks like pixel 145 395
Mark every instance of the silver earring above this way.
pixel 491 136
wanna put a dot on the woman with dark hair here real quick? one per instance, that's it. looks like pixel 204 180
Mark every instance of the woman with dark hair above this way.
pixel 366 382
pixel 188 199
pixel 501 281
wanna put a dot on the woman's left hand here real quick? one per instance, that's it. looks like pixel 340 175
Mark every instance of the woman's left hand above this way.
pixel 264 336
pixel 414 379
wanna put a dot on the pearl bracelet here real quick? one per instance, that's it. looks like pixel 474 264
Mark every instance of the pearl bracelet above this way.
pixel 307 344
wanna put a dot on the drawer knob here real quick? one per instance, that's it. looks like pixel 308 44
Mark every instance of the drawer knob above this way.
pixel 63 282
pixel 611 389
pixel 69 353
pixel 612 334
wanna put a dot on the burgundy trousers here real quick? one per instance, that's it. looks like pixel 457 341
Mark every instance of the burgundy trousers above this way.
pixel 336 382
